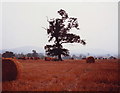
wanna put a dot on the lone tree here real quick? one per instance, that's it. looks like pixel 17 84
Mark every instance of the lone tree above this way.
pixel 58 31
pixel 34 54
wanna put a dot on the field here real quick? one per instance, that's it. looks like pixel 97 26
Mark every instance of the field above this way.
pixel 68 75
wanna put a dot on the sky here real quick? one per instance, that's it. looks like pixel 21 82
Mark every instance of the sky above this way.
pixel 23 22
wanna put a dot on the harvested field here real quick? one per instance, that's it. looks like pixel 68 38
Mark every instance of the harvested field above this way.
pixel 68 75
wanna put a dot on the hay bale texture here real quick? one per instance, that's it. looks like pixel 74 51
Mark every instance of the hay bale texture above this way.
pixel 90 59
pixel 11 69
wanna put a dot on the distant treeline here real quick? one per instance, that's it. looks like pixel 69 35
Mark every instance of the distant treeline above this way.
pixel 9 54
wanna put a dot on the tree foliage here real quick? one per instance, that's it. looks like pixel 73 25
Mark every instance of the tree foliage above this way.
pixel 58 31
pixel 8 54
pixel 34 54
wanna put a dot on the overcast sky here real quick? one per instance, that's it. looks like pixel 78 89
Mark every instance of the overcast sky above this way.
pixel 22 24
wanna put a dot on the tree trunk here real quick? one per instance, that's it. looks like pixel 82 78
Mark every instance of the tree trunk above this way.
pixel 58 46
pixel 59 57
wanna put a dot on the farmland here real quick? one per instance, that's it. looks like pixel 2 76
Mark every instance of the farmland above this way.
pixel 67 75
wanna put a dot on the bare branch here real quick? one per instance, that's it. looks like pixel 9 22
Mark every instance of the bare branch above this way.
pixel 47 18
pixel 44 28
pixel 64 42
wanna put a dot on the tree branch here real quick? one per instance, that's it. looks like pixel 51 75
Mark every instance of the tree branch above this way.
pixel 64 42
pixel 47 18
pixel 44 28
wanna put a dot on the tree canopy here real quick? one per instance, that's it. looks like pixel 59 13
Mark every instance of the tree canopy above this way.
pixel 8 54
pixel 58 31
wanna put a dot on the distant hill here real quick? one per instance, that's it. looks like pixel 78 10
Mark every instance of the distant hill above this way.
pixel 26 49
pixel 91 52
pixel 73 51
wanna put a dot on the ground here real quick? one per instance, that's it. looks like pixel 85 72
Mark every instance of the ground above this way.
pixel 67 75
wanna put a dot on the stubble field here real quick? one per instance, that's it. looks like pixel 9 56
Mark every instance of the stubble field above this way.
pixel 68 75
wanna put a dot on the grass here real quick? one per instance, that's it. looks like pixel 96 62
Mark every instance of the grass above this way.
pixel 68 75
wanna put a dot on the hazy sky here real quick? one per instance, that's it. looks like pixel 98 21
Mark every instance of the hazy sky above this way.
pixel 22 24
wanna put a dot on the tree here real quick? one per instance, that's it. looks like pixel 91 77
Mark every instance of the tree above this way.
pixel 8 54
pixel 29 54
pixel 58 31
pixel 34 54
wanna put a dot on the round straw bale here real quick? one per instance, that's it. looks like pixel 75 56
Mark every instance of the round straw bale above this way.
pixel 90 59
pixel 11 69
